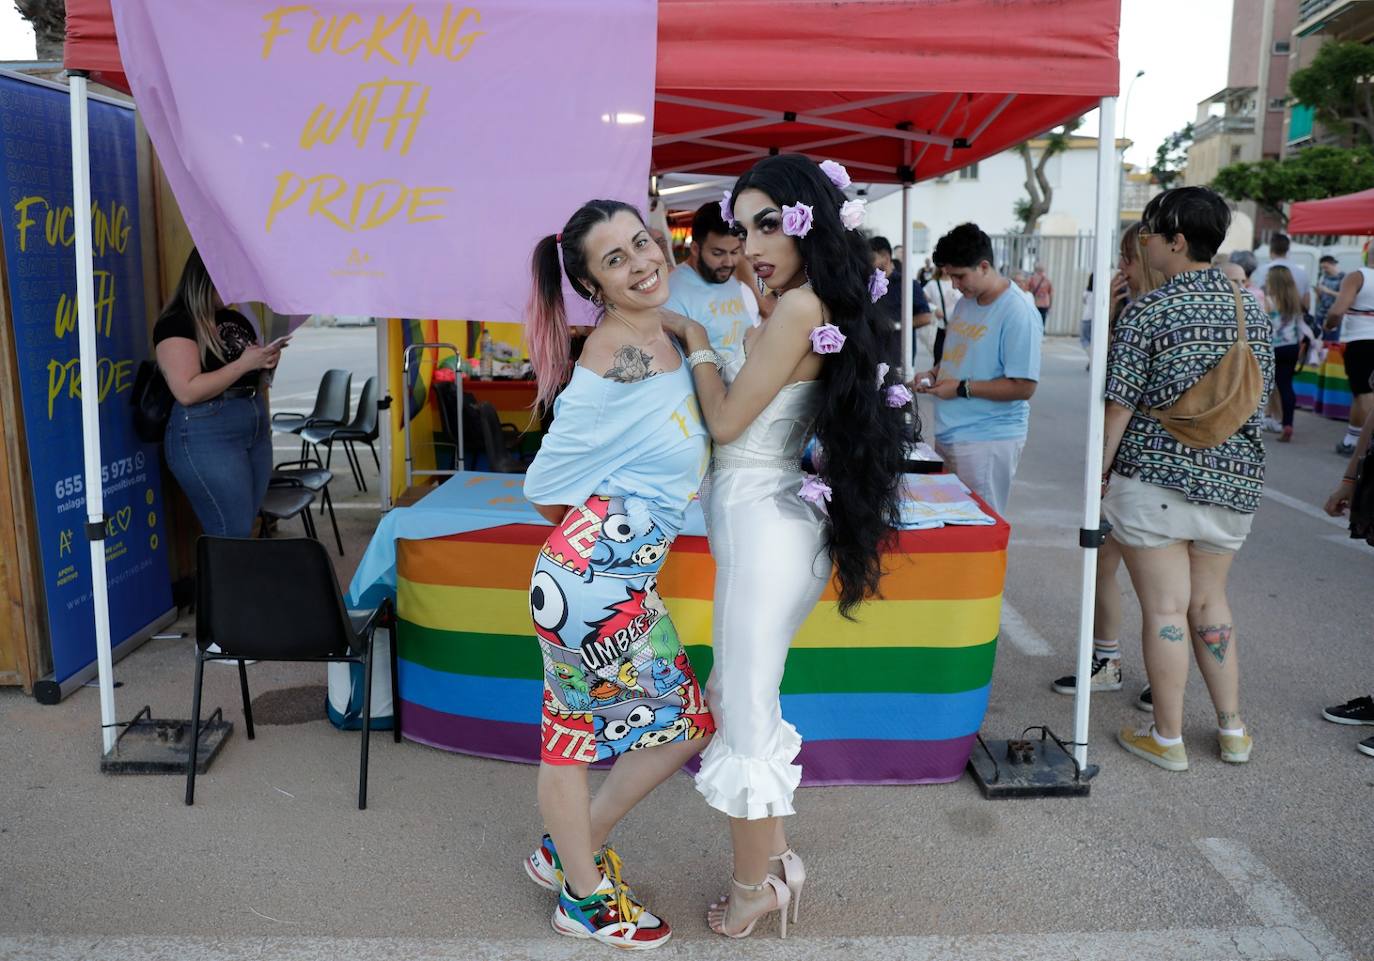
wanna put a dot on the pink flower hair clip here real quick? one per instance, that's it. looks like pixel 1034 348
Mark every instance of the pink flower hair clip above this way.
pixel 883 368
pixel 796 220
pixel 836 172
pixel 877 285
pixel 898 395
pixel 852 213
pixel 727 212
pixel 815 491
pixel 827 339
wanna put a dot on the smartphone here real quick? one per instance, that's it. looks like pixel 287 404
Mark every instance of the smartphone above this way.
pixel 279 343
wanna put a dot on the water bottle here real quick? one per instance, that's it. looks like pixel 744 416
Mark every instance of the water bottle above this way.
pixel 487 358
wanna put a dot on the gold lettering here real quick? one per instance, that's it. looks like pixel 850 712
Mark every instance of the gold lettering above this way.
pixel 275 29
pixel 25 221
pixel 418 200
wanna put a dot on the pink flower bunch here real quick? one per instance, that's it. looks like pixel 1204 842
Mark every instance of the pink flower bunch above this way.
pixel 727 212
pixel 877 285
pixel 816 491
pixel 796 220
pixel 827 339
pixel 836 172
pixel 898 395
pixel 852 213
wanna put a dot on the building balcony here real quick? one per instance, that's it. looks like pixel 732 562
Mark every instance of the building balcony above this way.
pixel 1219 126
pixel 1330 16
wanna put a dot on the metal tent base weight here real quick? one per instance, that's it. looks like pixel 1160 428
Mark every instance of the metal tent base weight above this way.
pixel 1023 768
pixel 150 745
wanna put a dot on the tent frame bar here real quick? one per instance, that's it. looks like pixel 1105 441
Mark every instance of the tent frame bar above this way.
pixel 814 118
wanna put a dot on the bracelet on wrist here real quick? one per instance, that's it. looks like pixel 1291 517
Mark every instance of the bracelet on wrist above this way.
pixel 705 356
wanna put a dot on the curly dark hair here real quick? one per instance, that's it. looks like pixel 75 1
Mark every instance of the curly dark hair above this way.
pixel 860 436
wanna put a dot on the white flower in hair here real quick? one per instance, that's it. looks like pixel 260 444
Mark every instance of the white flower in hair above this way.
pixel 852 213
pixel 836 172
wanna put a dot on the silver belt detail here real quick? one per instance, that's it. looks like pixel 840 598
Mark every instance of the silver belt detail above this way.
pixel 736 462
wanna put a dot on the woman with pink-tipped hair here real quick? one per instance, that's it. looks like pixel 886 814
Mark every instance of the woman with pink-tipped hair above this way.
pixel 626 452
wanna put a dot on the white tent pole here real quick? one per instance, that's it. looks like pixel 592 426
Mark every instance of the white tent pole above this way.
pixel 1108 216
pixel 90 402
pixel 384 416
pixel 907 280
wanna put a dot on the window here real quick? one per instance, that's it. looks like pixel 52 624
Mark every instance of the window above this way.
pixel 1236 150
pixel 969 173
pixel 1282 47
pixel 1278 103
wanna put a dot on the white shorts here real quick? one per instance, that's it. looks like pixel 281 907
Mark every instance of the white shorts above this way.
pixel 1145 515
pixel 986 466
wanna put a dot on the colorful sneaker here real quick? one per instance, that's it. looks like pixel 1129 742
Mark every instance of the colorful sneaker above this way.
pixel 1106 676
pixel 611 915
pixel 1366 746
pixel 1142 744
pixel 1358 711
pixel 543 866
pixel 546 870
pixel 1235 748
pixel 1146 700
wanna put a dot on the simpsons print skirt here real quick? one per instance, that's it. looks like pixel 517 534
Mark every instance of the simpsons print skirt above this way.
pixel 616 677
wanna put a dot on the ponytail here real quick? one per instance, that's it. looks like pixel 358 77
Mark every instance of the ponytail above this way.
pixel 546 324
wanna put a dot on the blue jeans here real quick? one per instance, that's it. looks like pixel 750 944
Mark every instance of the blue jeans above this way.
pixel 220 451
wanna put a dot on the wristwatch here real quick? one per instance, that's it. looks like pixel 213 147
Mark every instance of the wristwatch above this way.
pixel 962 389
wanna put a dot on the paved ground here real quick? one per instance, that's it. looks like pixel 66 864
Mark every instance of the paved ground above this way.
pixel 1269 861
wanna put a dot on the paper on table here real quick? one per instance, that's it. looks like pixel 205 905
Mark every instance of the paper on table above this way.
pixel 933 500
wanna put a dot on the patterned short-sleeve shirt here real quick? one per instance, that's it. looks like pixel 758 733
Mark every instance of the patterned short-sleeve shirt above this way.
pixel 1162 345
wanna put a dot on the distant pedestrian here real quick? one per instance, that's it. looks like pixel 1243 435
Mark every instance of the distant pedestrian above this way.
pixel 1042 290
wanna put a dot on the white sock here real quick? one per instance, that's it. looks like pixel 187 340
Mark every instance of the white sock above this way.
pixel 1231 731
pixel 1163 741
pixel 1352 435
pixel 1106 650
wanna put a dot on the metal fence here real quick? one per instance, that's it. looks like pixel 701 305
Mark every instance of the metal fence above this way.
pixel 1068 264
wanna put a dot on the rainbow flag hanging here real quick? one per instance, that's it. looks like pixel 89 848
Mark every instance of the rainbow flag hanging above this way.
pixel 894 698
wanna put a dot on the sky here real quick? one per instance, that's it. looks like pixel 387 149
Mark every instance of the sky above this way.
pixel 1181 45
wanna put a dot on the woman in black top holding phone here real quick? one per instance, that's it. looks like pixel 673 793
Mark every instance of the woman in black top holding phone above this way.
pixel 219 439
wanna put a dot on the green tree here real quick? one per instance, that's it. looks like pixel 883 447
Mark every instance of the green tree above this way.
pixel 1172 157
pixel 49 20
pixel 1339 85
pixel 1311 174
pixel 1040 194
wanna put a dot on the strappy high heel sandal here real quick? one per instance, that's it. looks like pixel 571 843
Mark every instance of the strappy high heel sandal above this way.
pixel 793 875
pixel 781 898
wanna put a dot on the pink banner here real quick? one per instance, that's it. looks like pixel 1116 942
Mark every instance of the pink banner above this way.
pixel 388 159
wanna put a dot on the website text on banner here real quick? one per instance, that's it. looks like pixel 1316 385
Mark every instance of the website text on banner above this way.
pixel 369 157
pixel 36 202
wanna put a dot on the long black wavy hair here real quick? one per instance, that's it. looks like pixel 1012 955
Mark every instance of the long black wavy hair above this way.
pixel 860 436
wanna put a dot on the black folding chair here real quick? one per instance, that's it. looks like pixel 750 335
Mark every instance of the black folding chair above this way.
pixel 331 407
pixel 278 600
pixel 363 430
pixel 308 474
pixel 501 440
pixel 283 503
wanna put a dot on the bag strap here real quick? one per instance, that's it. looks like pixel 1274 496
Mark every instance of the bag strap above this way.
pixel 1240 314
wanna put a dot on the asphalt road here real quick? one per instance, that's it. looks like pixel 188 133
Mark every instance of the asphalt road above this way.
pixel 1272 860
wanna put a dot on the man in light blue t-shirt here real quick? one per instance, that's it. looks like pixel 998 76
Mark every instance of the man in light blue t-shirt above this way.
pixel 705 289
pixel 989 369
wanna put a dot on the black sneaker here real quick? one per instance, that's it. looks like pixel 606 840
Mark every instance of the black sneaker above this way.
pixel 1146 700
pixel 1344 449
pixel 1106 676
pixel 1358 711
pixel 1366 746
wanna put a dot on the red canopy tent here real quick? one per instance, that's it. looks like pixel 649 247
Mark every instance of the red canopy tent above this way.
pixel 1351 214
pixel 897 90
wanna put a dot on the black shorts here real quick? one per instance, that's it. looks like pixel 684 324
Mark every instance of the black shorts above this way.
pixel 1359 366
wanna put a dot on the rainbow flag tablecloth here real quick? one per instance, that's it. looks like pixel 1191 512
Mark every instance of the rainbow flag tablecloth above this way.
pixel 1324 388
pixel 895 698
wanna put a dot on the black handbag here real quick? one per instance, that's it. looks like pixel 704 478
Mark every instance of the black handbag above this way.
pixel 1362 500
pixel 152 402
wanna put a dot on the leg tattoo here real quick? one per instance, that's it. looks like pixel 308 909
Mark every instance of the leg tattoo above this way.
pixel 1171 633
pixel 1217 638
pixel 1228 719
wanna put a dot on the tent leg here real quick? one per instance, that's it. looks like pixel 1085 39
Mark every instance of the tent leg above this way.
pixel 1108 218
pixel 384 413
pixel 90 403
pixel 908 334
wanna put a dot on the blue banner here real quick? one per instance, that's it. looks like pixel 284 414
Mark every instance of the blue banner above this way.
pixel 40 258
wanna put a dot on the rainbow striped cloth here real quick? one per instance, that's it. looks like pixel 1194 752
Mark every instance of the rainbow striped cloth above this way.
pixel 895 698
pixel 1325 390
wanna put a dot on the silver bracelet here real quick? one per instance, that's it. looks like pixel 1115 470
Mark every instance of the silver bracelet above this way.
pixel 708 356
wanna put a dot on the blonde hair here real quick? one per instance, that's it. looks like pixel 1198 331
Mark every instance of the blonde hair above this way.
pixel 1281 290
pixel 195 295
pixel 1133 251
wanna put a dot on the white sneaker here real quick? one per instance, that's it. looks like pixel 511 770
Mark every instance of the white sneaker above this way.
pixel 1271 426
pixel 1106 676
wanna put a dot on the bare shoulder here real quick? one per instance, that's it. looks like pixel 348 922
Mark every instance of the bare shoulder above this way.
pixel 610 356
pixel 798 310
